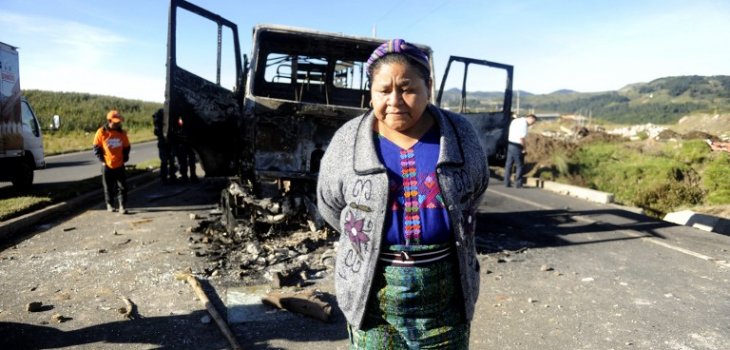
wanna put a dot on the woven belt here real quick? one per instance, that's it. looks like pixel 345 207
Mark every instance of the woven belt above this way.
pixel 403 258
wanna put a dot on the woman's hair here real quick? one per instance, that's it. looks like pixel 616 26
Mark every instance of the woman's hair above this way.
pixel 404 59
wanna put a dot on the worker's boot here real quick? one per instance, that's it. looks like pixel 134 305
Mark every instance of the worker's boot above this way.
pixel 109 208
pixel 122 209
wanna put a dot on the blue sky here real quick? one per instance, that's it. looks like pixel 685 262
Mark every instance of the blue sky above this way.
pixel 118 47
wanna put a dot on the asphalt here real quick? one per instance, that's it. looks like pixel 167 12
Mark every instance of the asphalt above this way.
pixel 15 227
pixel 556 290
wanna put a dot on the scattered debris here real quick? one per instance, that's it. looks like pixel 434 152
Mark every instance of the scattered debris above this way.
pixel 255 252
pixel 306 302
pixel 58 318
pixel 66 229
pixel 188 277
pixel 545 268
pixel 125 242
pixel 35 306
pixel 719 146
pixel 130 310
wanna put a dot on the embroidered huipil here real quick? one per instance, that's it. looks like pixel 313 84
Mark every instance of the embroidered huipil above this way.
pixel 416 208
pixel 353 192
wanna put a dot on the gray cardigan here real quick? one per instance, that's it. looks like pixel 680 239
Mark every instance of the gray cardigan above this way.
pixel 352 195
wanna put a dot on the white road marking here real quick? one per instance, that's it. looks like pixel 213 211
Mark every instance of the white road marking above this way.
pixel 630 233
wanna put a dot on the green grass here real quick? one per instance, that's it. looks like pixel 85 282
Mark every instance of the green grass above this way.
pixel 716 179
pixel 11 207
pixel 75 141
pixel 14 203
pixel 677 175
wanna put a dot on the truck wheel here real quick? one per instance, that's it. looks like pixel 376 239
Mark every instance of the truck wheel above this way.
pixel 23 178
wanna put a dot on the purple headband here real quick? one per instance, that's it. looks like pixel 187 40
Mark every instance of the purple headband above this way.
pixel 397 46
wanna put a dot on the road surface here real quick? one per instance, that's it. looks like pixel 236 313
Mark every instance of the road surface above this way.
pixel 570 274
pixel 557 273
pixel 83 165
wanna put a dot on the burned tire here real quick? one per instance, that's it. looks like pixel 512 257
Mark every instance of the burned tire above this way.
pixel 23 177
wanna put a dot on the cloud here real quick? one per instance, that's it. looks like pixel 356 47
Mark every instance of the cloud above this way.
pixel 60 55
pixel 69 40
pixel 99 81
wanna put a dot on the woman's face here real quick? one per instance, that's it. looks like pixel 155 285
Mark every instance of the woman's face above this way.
pixel 399 96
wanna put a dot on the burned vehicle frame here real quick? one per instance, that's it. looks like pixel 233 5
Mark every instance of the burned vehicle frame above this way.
pixel 269 132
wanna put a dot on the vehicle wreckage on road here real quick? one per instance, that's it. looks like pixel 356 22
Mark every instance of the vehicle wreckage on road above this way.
pixel 270 130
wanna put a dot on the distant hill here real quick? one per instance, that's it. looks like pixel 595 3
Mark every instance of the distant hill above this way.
pixel 661 101
pixel 563 92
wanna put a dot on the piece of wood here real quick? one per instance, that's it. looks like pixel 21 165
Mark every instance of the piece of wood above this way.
pixel 306 303
pixel 200 293
pixel 128 312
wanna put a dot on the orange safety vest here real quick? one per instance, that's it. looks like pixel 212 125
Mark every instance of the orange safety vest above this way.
pixel 113 142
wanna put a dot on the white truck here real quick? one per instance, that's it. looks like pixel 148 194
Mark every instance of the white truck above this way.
pixel 21 141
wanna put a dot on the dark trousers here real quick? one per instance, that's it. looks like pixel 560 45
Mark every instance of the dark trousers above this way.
pixel 167 160
pixel 514 156
pixel 186 160
pixel 115 184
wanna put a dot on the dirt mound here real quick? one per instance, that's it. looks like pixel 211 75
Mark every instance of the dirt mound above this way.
pixel 544 152
pixel 600 136
pixel 698 135
pixel 718 124
pixel 543 148
pixel 668 134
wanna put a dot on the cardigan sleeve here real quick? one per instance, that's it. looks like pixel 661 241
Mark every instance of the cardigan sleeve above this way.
pixel 330 196
pixel 477 161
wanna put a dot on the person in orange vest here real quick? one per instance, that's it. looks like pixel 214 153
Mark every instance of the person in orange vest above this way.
pixel 111 147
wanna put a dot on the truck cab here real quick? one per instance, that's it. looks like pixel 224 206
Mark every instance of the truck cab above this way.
pixel 270 118
pixel 21 139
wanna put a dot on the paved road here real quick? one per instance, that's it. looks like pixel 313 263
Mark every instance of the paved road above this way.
pixel 83 165
pixel 558 273
pixel 570 274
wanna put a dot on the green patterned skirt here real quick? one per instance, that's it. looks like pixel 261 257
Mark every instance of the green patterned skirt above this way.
pixel 414 307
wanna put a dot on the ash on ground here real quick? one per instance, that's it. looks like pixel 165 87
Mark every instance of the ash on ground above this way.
pixel 281 255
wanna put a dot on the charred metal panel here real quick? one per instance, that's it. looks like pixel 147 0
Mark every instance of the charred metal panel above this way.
pixel 492 127
pixel 199 112
pixel 304 86
pixel 291 137
pixel 209 119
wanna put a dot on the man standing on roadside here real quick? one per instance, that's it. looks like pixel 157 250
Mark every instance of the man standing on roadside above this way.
pixel 164 149
pixel 185 158
pixel 112 147
pixel 516 148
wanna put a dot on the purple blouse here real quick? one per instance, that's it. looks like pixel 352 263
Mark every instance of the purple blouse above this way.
pixel 417 212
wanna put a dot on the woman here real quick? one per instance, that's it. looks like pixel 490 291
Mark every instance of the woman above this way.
pixel 400 183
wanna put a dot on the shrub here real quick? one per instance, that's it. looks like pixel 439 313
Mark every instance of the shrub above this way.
pixel 691 152
pixel 658 184
pixel 716 180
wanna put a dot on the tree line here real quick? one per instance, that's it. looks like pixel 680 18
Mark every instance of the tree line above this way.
pixel 661 101
pixel 86 112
